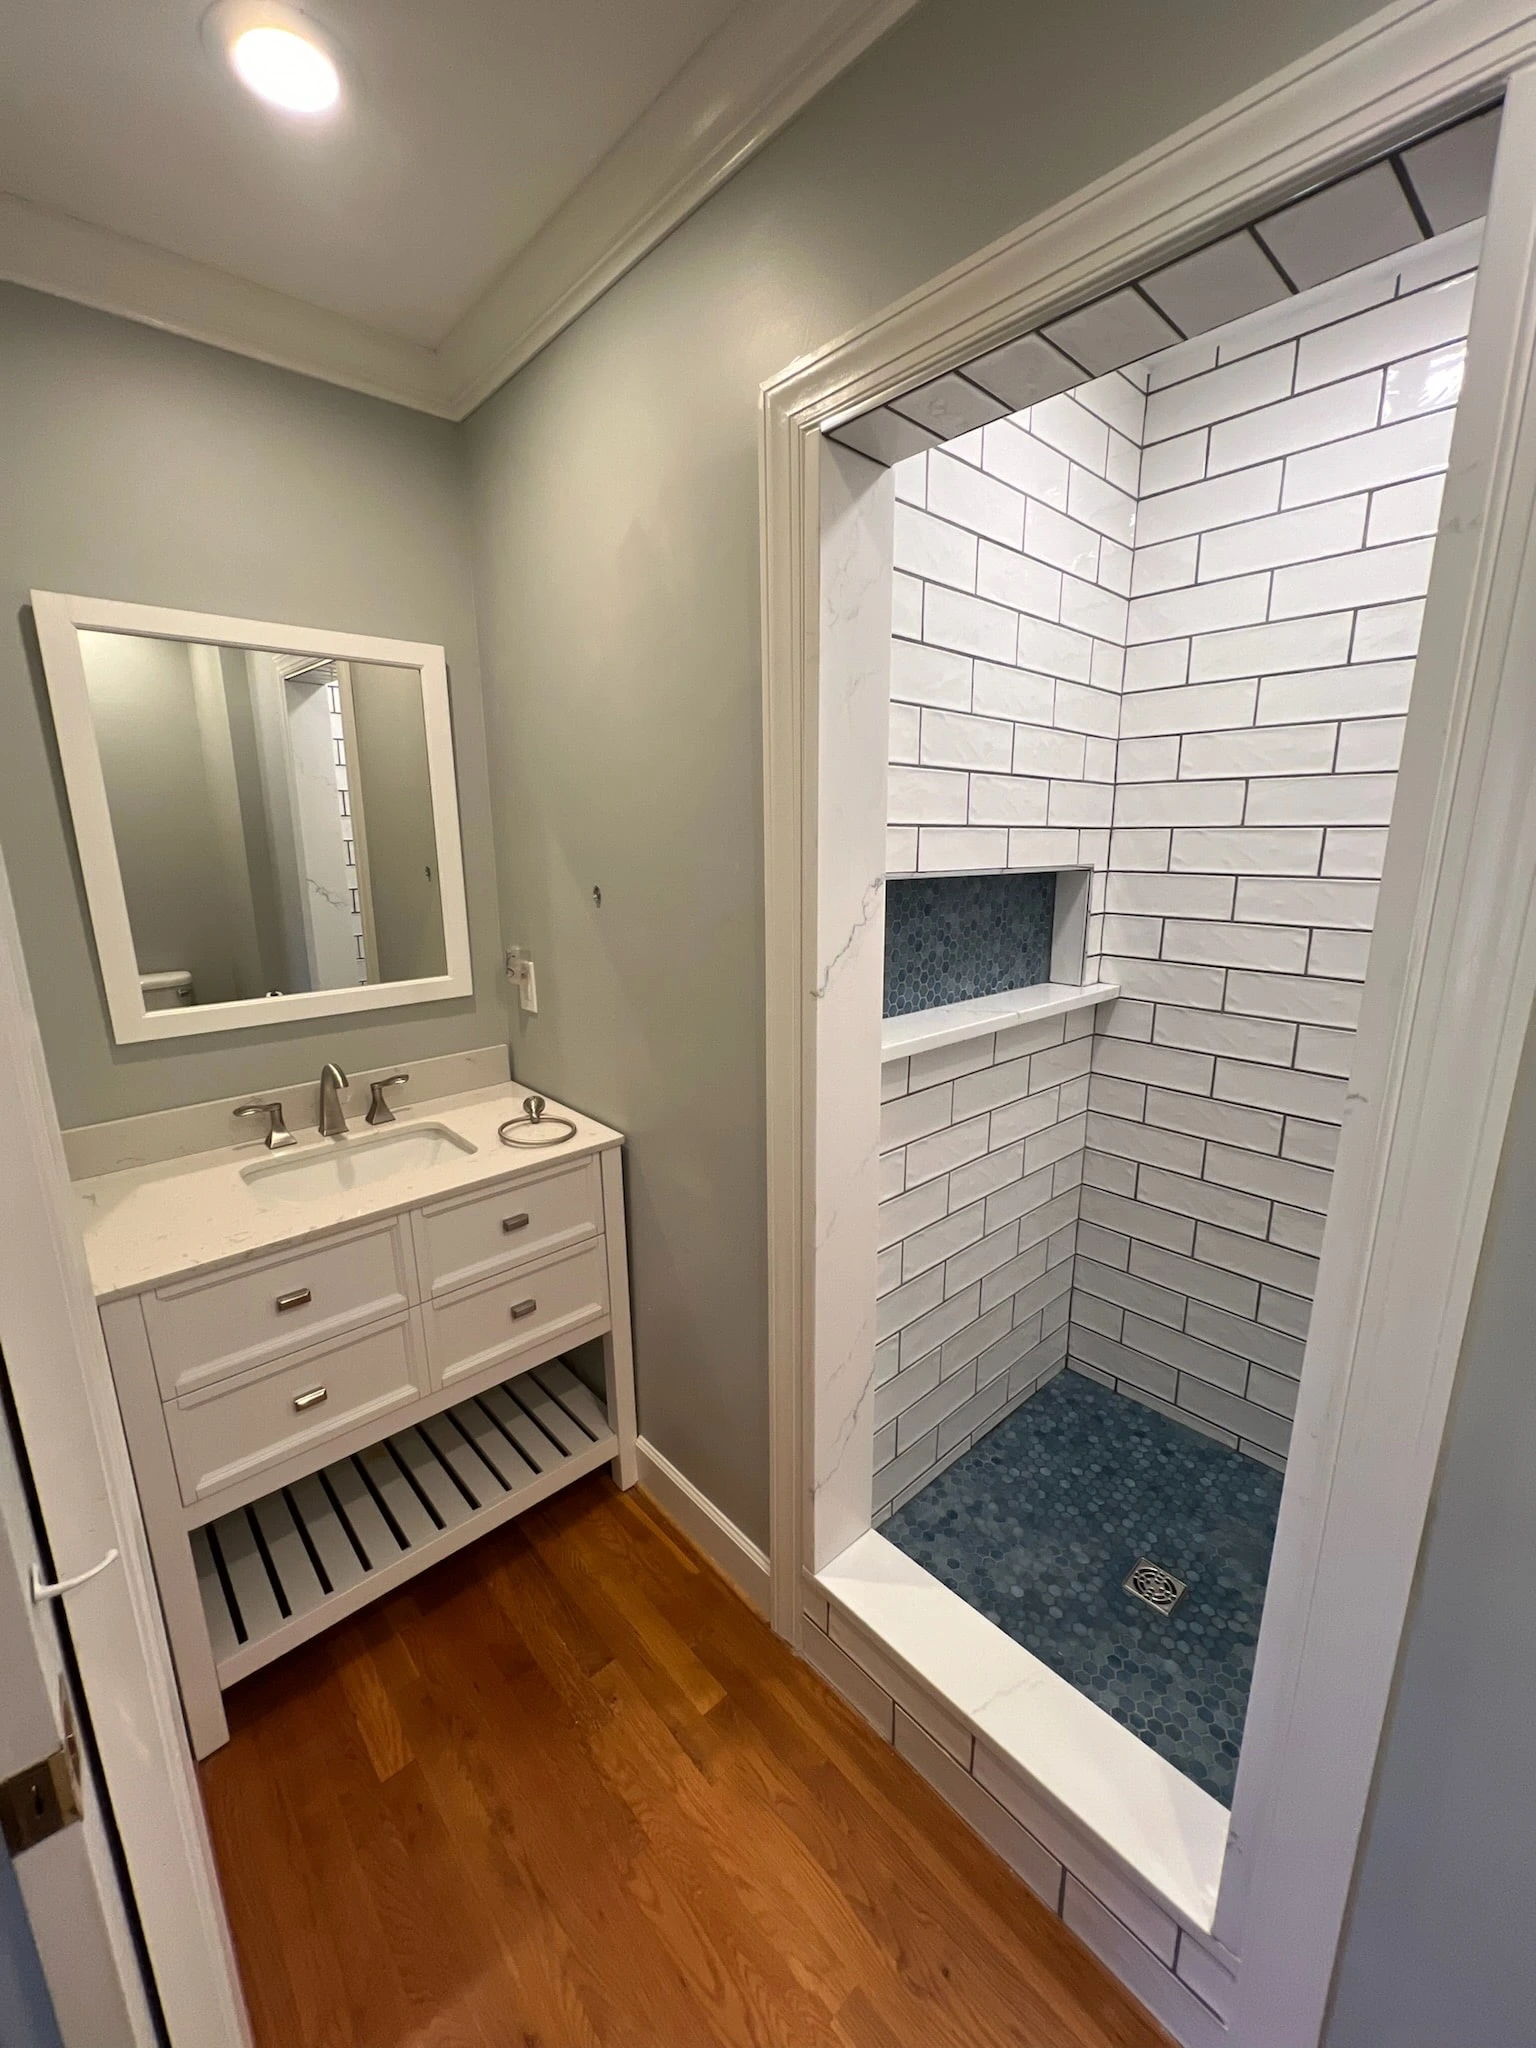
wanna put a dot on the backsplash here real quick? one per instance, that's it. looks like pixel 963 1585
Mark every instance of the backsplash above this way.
pixel 951 937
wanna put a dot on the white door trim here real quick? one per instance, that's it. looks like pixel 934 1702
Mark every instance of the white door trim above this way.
pixel 1453 972
pixel 57 1364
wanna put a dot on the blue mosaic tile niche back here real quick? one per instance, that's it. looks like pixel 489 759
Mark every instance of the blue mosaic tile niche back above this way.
pixel 1038 1525
pixel 951 937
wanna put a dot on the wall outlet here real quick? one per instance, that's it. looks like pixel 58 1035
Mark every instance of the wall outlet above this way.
pixel 520 970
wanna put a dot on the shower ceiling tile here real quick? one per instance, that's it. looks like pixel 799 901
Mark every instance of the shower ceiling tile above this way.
pixel 1025 371
pixel 950 406
pixel 1452 172
pixel 1339 229
pixel 884 436
pixel 1118 329
pixel 1216 285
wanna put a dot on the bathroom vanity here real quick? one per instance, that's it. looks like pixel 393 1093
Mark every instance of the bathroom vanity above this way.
pixel 340 1361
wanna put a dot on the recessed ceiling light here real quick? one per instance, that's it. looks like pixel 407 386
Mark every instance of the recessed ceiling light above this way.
pixel 286 70
pixel 277 53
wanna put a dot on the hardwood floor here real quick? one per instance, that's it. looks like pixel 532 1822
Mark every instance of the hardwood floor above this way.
pixel 568 1791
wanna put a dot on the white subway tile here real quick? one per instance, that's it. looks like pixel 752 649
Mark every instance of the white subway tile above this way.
pixel 904 1214
pixel 894 1078
pixel 1389 631
pixel 934 548
pixel 913 1116
pixel 1372 576
pixel 1363 690
pixel 1199 608
pixel 1221 394
pixel 1270 1263
pixel 901 850
pixel 1099 759
pixel 1202 1281
pixel 911 479
pixel 944 849
pixel 1007 1081
pixel 1081 803
pixel 1355 852
pixel 1122 466
pixel 1081 709
pixel 1053 650
pixel 1245 1337
pixel 1117 400
pixel 1018 580
pixel 1371 745
pixel 1008 799
pixel 1242 1417
pixel 1403 327
pixel 1283 538
pixel 1198 1116
pixel 887 1271
pixel 1405 511
pixel 1298 1229
pixel 1206 708
pixel 1102 1317
pixel 1386 455
pixel 1281 949
pixel 1131 1291
pixel 1248 851
pixel 1180 803
pixel 979 503
pixel 1162 1066
pixel 1220 501
pixel 906 727
pixel 1268 650
pixel 1099 504
pixel 1115 566
pixel 969 625
pixel 1341 954
pixel 906 606
pixel 1281 1180
pixel 1169 566
pixel 1272 1390
pixel 1088 609
pixel 1294 998
pixel 1351 906
pixel 924 796
pixel 1314 1096
pixel 1143 850
pixel 1005 692
pixel 1042 849
pixel 1298 316
pixel 1177 365
pixel 1424 383
pixel 1023 460
pixel 904 1305
pixel 937 1242
pixel 1320 1051
pixel 1107 671
pixel 1158 665
pixel 1285 1311
pixel 947 1062
pixel 959 739
pixel 1247 1038
pixel 929 675
pixel 1322 800
pixel 1259 750
pixel 1306 421
pixel 1164 981
pixel 1314 1144
pixel 1114 1098
pixel 1064 424
pixel 1121 1222
pixel 1148 760
pixel 984 1176
pixel 1171 895
pixel 1194 1201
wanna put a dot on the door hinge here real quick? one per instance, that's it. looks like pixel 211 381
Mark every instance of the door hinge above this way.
pixel 37 1802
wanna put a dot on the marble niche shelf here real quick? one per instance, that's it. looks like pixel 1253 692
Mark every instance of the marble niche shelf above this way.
pixel 924 1030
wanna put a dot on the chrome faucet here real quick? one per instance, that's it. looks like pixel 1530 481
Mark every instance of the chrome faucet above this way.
pixel 333 1123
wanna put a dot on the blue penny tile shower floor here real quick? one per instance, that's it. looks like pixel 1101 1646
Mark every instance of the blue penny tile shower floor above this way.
pixel 1038 1524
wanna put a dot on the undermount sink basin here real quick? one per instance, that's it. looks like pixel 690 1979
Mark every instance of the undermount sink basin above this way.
pixel 341 1164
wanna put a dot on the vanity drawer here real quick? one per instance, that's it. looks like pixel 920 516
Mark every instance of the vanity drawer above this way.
pixel 490 1325
pixel 205 1329
pixel 225 1434
pixel 470 1237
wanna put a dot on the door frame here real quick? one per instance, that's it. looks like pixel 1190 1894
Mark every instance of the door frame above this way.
pixel 74 1444
pixel 1453 971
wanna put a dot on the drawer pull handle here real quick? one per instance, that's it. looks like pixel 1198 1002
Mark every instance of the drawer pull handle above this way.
pixel 511 1223
pixel 523 1308
pixel 296 1299
pixel 312 1399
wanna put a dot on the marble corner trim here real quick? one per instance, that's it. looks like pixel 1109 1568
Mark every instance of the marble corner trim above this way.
pixel 953 1023
pixel 163 1134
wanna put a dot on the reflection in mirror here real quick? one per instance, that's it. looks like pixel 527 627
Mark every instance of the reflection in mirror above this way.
pixel 241 784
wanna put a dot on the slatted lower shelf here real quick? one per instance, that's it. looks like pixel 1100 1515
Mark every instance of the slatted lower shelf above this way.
pixel 281 1570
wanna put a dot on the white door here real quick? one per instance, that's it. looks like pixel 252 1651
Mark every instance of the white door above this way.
pixel 72 1442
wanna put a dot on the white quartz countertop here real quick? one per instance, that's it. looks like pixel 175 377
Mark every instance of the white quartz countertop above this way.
pixel 161 1222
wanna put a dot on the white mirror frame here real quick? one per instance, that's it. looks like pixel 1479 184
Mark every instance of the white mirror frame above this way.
pixel 60 619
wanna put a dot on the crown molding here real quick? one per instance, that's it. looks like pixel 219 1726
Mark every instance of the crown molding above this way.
pixel 738 90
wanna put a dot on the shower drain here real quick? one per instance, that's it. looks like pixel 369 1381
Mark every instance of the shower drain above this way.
pixel 1156 1585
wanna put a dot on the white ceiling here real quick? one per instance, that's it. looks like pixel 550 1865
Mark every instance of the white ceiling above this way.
pixel 467 125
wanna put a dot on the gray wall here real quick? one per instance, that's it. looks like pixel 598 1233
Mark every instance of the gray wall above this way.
pixel 139 466
pixel 615 485
pixel 1439 1948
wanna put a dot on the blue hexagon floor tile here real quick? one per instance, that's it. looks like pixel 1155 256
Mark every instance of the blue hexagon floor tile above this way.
pixel 1038 1525
pixel 951 937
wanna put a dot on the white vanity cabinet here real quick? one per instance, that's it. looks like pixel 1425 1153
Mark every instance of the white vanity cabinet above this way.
pixel 319 1418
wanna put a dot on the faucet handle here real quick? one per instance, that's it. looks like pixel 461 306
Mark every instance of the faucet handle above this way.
pixel 379 1111
pixel 278 1133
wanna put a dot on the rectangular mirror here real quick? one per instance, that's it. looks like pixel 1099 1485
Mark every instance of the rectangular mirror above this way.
pixel 266 815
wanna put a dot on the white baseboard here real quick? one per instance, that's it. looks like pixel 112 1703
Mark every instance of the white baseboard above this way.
pixel 699 1519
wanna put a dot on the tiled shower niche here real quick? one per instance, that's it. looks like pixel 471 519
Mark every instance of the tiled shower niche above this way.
pixel 949 938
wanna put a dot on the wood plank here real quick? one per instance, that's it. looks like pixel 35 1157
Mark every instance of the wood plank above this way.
pixel 541 1451
pixel 451 1449
pixel 503 1457
pixel 254 1597
pixel 333 1547
pixel 221 1623
pixel 574 1396
pixel 290 1560
pixel 509 1822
